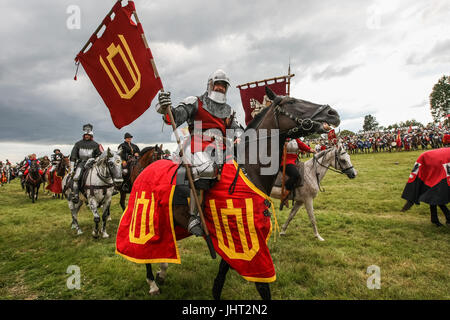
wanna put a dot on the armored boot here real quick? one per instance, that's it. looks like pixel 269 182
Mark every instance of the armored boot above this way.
pixel 75 197
pixel 195 224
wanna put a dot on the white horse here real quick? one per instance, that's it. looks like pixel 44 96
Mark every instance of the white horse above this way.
pixel 314 171
pixel 100 178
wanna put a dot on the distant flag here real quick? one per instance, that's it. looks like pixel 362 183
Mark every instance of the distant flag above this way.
pixel 253 94
pixel 121 66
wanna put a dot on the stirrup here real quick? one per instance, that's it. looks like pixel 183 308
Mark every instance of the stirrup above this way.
pixel 195 226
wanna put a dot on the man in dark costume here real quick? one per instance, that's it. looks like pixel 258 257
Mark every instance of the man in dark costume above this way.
pixel 129 151
pixel 82 151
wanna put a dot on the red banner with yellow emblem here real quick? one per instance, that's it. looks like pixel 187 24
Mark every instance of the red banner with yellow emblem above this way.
pixel 146 232
pixel 240 225
pixel 121 66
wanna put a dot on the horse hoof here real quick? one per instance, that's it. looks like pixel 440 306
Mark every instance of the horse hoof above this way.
pixel 79 232
pixel 320 238
pixel 109 218
pixel 105 235
pixel 155 292
pixel 95 234
pixel 282 233
pixel 159 279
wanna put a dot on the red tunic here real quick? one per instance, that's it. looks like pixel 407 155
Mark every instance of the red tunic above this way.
pixel 292 157
pixel 208 121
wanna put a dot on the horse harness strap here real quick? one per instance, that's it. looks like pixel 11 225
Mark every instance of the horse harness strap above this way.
pixel 92 188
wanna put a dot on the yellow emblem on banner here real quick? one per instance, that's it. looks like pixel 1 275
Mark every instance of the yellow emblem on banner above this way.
pixel 145 217
pixel 230 250
pixel 113 50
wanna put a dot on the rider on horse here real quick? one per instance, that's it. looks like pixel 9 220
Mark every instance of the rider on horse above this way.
pixel 211 111
pixel 56 158
pixel 129 151
pixel 82 151
pixel 28 163
pixel 293 148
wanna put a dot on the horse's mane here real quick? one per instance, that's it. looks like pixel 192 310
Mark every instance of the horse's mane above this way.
pixel 147 149
pixel 257 119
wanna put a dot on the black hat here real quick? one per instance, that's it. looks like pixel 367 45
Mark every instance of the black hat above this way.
pixel 127 135
pixel 56 150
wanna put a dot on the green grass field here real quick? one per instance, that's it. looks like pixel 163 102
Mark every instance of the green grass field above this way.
pixel 360 220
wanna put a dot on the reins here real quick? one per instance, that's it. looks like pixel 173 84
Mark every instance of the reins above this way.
pixel 336 160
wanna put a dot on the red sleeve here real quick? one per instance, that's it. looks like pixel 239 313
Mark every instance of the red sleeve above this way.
pixel 302 146
pixel 166 119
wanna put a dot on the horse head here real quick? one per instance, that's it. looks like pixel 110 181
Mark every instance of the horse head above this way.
pixel 343 163
pixel 114 164
pixel 297 117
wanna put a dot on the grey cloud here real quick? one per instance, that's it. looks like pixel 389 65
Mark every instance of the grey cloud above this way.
pixel 332 72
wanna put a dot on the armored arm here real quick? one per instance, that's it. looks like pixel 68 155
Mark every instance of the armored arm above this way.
pixel 74 156
pixel 181 113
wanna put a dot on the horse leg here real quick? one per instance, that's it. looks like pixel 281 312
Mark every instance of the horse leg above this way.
pixel 93 205
pixel 105 217
pixel 263 290
pixel 292 214
pixel 154 290
pixel 446 213
pixel 123 196
pixel 310 209
pixel 74 208
pixel 219 281
pixel 162 273
pixel 434 216
pixel 32 194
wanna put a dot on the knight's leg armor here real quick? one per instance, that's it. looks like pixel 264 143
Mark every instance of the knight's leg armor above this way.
pixel 76 180
pixel 204 173
pixel 195 224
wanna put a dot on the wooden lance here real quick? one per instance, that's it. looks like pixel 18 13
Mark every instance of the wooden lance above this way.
pixel 185 163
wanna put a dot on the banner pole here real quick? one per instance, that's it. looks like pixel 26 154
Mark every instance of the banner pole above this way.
pixel 184 161
pixel 98 28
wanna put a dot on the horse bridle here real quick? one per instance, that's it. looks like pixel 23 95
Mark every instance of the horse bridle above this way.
pixel 105 178
pixel 336 162
pixel 304 124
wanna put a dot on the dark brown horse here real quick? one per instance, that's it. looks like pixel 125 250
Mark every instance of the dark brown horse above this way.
pixel 33 180
pixel 135 167
pixel 289 117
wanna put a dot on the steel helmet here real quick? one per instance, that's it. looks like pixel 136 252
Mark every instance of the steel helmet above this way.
pixel 217 76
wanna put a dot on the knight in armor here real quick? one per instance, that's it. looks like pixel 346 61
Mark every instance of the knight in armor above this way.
pixel 56 158
pixel 208 117
pixel 129 151
pixel 293 148
pixel 82 152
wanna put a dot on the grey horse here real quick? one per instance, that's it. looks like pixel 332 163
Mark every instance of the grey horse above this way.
pixel 314 171
pixel 101 176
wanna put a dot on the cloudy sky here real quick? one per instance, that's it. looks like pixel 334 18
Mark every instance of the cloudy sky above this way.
pixel 379 57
